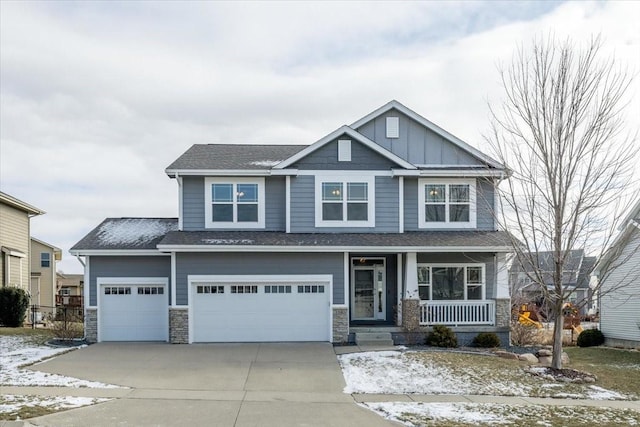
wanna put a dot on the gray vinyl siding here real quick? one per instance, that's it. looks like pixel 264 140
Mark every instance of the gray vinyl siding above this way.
pixel 193 203
pixel 410 204
pixel 362 158
pixel 303 207
pixel 416 143
pixel 619 309
pixel 127 266
pixel 488 259
pixel 485 215
pixel 260 264
pixel 193 209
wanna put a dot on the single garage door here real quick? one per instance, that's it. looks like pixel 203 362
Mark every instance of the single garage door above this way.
pixel 260 312
pixel 133 312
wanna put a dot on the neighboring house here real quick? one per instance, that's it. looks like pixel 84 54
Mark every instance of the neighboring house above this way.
pixel 70 291
pixel 619 276
pixel 43 274
pixel 387 223
pixel 15 229
pixel 576 277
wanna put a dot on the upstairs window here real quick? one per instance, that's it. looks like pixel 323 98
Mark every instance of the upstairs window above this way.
pixel 234 203
pixel 45 259
pixel 344 202
pixel 447 204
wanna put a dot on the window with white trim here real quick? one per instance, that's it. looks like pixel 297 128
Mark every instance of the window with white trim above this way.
pixel 447 204
pixel 345 201
pixel 234 202
pixel 451 281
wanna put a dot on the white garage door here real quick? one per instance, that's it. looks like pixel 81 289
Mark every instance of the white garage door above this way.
pixel 130 312
pixel 260 312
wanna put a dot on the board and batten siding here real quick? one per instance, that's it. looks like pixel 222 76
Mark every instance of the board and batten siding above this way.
pixel 620 309
pixel 127 266
pixel 416 143
pixel 14 233
pixel 193 209
pixel 362 158
pixel 488 259
pixel 263 264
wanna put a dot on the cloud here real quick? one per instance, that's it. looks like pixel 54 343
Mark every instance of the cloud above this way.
pixel 97 98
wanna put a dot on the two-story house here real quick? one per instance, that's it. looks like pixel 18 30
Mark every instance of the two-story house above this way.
pixel 44 257
pixel 15 235
pixel 384 223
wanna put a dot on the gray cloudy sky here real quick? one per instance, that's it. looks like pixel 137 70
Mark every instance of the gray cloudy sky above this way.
pixel 97 98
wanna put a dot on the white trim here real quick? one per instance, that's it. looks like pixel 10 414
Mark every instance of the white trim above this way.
pixel 399 289
pixel 283 172
pixel 411 285
pixel 287 203
pixel 180 202
pixel 344 150
pixel 133 281
pixel 361 177
pixel 502 276
pixel 346 280
pixel 363 249
pixel 429 125
pixel 447 224
pixel 173 279
pixel 13 252
pixel 117 252
pixel 349 173
pixel 376 299
pixel 209 223
pixel 354 135
pixel 87 282
pixel 218 172
pixel 401 204
pixel 262 279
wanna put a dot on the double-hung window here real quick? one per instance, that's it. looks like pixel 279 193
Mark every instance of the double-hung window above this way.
pixel 345 201
pixel 234 202
pixel 451 282
pixel 447 204
pixel 45 259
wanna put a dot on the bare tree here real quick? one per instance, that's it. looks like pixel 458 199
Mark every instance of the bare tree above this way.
pixel 561 130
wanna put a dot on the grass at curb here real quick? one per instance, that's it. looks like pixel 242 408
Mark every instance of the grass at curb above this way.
pixel 34 336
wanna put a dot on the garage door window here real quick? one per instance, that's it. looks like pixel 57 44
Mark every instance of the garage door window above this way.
pixel 150 290
pixel 277 289
pixel 206 289
pixel 246 289
pixel 117 290
pixel 311 289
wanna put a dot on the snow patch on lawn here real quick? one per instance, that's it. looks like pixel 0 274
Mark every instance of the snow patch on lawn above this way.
pixel 599 393
pixel 12 403
pixel 17 352
pixel 406 412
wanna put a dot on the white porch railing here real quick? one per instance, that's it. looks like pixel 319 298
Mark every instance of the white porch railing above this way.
pixel 457 313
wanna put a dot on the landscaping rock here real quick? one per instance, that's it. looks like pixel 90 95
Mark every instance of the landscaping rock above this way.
pixel 544 353
pixel 528 357
pixel 507 355
pixel 544 360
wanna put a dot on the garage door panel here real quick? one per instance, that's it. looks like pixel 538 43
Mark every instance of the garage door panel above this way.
pixel 132 313
pixel 274 315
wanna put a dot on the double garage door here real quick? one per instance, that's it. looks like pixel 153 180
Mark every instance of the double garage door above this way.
pixel 133 312
pixel 260 311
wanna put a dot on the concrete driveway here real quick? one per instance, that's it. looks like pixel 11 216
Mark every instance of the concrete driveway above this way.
pixel 274 384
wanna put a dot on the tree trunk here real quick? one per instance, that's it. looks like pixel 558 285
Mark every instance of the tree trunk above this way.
pixel 556 361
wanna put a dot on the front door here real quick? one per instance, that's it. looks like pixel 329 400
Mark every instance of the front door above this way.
pixel 368 290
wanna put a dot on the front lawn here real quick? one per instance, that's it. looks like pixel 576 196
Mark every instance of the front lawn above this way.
pixel 456 373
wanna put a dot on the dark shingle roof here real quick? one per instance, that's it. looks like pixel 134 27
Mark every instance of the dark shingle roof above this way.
pixel 127 233
pixel 233 156
pixel 479 239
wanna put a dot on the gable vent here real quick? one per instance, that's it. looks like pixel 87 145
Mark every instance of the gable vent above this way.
pixel 393 127
pixel 344 150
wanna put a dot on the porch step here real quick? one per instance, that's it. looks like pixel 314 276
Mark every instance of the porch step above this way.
pixel 374 339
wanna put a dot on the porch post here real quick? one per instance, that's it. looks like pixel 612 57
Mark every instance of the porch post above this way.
pixel 411 301
pixel 503 298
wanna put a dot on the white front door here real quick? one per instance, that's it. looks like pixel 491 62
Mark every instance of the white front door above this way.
pixel 368 291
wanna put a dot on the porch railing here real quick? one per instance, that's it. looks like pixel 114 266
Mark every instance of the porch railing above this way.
pixel 69 300
pixel 457 313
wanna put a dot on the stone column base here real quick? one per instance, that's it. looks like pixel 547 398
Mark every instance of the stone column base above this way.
pixel 179 325
pixel 503 313
pixel 91 325
pixel 340 325
pixel 411 314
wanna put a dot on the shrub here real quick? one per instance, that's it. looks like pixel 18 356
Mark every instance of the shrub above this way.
pixel 13 306
pixel 590 338
pixel 441 336
pixel 486 340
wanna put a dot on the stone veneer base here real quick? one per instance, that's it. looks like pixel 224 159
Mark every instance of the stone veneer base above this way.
pixel 179 325
pixel 91 325
pixel 340 325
